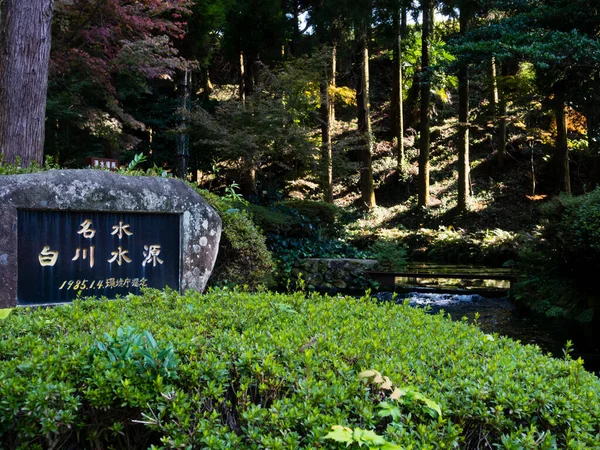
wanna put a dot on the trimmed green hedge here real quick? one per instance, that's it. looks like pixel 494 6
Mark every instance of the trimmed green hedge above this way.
pixel 232 370
pixel 243 257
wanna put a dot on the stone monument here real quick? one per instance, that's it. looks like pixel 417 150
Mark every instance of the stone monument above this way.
pixel 70 233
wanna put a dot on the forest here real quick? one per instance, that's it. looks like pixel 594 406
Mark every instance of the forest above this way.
pixel 270 93
pixel 461 132
pixel 445 128
pixel 448 133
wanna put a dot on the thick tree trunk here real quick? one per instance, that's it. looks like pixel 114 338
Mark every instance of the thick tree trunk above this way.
pixel 111 149
pixel 424 143
pixel 326 115
pixel 207 86
pixel 397 112
pixel 463 139
pixel 251 74
pixel 502 121
pixel 183 138
pixel 248 177
pixel 463 123
pixel 364 122
pixel 25 36
pixel 242 78
pixel 493 86
pixel 333 85
pixel 561 153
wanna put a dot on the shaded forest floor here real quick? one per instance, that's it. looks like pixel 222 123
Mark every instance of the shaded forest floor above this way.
pixel 504 207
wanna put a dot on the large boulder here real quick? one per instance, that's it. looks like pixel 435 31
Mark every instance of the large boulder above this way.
pixel 65 233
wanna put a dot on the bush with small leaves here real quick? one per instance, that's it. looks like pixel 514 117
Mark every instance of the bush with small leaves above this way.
pixel 230 369
pixel 243 258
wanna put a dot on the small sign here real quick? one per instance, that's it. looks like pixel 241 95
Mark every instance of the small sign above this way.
pixel 66 254
pixel 103 163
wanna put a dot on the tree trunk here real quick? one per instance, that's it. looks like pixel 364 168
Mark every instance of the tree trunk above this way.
pixel 242 78
pixel 463 122
pixel 493 86
pixel 326 113
pixel 25 36
pixel 333 85
pixel 183 138
pixel 364 121
pixel 424 142
pixel 502 120
pixel 561 153
pixel 248 177
pixel 397 112
pixel 111 149
pixel 207 86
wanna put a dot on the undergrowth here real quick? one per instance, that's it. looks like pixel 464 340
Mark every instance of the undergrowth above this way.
pixel 267 371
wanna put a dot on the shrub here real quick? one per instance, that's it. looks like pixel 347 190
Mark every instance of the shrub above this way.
pixel 297 229
pixel 267 371
pixel 243 257
pixel 298 218
pixel 390 255
pixel 288 250
pixel 559 262
pixel 325 216
pixel 275 221
pixel 573 230
pixel 17 169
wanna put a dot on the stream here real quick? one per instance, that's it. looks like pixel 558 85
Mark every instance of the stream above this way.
pixel 498 315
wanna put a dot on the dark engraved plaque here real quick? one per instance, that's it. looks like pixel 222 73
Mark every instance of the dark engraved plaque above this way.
pixel 65 254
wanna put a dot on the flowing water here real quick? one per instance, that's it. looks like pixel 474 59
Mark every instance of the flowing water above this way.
pixel 498 315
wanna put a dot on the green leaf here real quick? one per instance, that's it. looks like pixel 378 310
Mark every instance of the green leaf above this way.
pixel 367 436
pixel 387 410
pixel 428 402
pixel 150 339
pixel 4 313
pixel 340 434
pixel 390 446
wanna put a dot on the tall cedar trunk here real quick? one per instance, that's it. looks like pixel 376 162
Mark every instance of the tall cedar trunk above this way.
pixel 248 170
pixel 250 74
pixel 493 86
pixel 424 142
pixel 561 153
pixel 207 86
pixel 326 113
pixel 248 181
pixel 333 85
pixel 183 138
pixel 242 78
pixel 111 149
pixel 463 121
pixel 364 121
pixel 397 112
pixel 25 36
pixel 502 119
